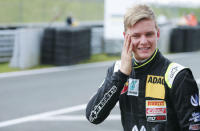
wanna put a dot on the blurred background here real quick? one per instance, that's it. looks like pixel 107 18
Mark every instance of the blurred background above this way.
pixel 41 33
pixel 54 55
pixel 45 11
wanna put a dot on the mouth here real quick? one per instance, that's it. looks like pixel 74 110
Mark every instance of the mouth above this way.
pixel 144 48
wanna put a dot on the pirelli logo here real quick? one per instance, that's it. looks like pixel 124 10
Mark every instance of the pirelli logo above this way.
pixel 156 103
pixel 155 87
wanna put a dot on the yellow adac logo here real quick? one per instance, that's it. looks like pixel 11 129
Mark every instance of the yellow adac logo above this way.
pixel 155 87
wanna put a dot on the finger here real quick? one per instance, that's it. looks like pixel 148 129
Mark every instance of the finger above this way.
pixel 128 43
pixel 124 50
pixel 130 48
pixel 125 41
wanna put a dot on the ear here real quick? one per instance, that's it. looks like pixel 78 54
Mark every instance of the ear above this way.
pixel 158 33
pixel 124 33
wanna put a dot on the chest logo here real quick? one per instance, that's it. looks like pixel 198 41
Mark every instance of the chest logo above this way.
pixel 156 110
pixel 155 87
pixel 133 87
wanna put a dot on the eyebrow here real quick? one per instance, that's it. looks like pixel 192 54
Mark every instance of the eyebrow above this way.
pixel 151 32
pixel 140 33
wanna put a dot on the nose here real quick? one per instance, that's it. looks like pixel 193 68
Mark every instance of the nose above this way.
pixel 143 39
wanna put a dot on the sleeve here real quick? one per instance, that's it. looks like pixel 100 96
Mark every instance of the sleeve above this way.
pixel 101 104
pixel 185 97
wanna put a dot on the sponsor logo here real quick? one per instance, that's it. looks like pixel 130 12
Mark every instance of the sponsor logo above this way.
pixel 155 87
pixel 155 103
pixel 94 113
pixel 195 117
pixel 125 88
pixel 194 127
pixel 156 80
pixel 156 118
pixel 133 87
pixel 194 100
pixel 141 129
pixel 155 111
pixel 173 71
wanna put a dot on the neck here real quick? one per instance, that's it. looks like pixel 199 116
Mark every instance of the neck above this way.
pixel 140 61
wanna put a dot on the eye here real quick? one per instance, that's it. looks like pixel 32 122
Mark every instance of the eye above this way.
pixel 149 34
pixel 135 36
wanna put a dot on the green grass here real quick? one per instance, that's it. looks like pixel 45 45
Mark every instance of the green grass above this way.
pixel 23 11
pixel 100 57
pixel 4 67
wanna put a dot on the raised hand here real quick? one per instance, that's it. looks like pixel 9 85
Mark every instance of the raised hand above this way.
pixel 126 56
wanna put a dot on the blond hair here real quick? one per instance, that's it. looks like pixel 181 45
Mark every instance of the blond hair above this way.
pixel 137 13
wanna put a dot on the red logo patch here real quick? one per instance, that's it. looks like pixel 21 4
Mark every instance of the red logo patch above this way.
pixel 156 111
pixel 125 88
pixel 156 118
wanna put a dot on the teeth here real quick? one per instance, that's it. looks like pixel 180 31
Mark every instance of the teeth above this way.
pixel 143 48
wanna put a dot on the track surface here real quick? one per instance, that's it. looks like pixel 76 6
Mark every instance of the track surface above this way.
pixel 54 99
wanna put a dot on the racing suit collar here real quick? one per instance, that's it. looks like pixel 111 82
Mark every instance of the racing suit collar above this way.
pixel 139 62
pixel 137 65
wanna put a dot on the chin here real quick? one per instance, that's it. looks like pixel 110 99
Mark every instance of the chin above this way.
pixel 144 57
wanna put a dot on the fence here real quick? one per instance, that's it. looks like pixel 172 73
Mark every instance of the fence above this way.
pixel 59 43
pixel 56 46
pixel 6 45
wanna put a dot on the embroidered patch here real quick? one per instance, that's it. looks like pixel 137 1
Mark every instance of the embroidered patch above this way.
pixel 194 127
pixel 195 117
pixel 125 88
pixel 172 70
pixel 194 100
pixel 133 87
pixel 155 87
pixel 156 118
pixel 156 110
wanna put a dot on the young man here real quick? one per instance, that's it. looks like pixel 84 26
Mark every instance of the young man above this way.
pixel 154 93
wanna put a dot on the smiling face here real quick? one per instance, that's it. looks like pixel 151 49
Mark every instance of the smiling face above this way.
pixel 144 36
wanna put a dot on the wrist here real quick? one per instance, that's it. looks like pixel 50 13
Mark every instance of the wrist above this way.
pixel 125 72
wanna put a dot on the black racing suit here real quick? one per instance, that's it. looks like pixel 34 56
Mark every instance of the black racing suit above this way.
pixel 149 101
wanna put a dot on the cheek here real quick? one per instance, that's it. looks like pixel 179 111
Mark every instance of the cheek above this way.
pixel 134 42
pixel 153 40
pixel 134 45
